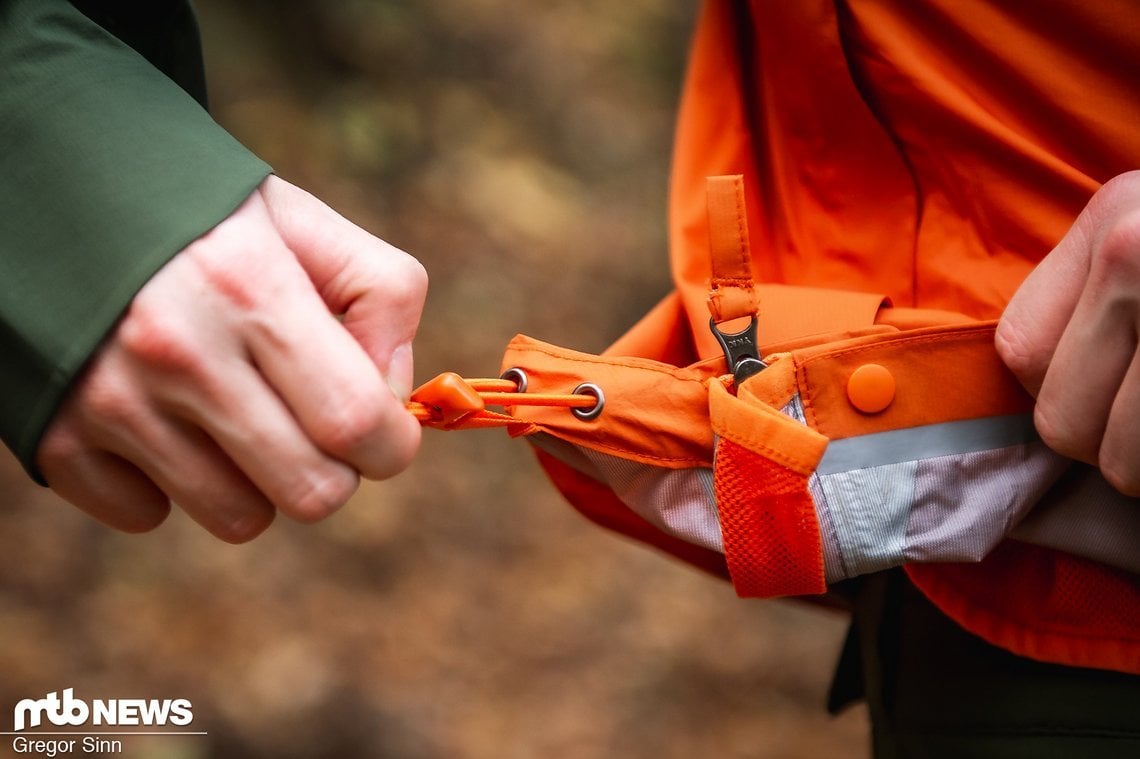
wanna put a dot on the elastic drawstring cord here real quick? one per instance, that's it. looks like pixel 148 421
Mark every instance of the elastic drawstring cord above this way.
pixel 450 402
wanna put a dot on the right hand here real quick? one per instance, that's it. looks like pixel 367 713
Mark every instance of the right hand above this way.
pixel 1070 336
pixel 264 368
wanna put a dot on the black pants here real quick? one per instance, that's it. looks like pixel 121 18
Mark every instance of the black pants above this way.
pixel 935 690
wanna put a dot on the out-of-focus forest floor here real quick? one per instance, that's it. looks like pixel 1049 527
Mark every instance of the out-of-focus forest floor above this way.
pixel 520 151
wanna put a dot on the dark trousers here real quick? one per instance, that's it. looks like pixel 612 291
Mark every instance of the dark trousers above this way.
pixel 936 691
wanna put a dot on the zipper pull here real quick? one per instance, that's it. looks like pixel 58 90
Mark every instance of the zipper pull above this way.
pixel 740 350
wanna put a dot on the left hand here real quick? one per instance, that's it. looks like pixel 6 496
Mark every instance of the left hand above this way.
pixel 1070 336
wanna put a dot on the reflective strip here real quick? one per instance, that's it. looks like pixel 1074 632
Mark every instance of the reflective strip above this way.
pixel 868 509
pixel 926 442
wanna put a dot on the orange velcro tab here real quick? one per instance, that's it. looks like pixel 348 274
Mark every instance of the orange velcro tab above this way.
pixel 772 541
pixel 768 523
pixel 732 292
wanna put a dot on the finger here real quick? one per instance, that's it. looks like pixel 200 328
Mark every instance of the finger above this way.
pixel 1039 312
pixel 206 484
pixel 247 420
pixel 182 462
pixel 378 288
pixel 1089 365
pixel 102 484
pixel 325 378
pixel 1119 457
pixel 337 395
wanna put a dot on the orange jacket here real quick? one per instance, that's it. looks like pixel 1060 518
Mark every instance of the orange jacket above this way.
pixel 932 152
pixel 895 170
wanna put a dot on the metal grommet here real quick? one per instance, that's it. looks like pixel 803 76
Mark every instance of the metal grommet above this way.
pixel 517 376
pixel 586 414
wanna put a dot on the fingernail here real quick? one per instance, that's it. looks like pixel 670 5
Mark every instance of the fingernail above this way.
pixel 400 372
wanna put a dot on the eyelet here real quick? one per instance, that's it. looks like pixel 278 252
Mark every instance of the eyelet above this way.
pixel 517 376
pixel 587 414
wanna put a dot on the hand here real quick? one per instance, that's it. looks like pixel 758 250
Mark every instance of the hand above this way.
pixel 1070 336
pixel 263 368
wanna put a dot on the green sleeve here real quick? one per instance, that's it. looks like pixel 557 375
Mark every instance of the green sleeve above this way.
pixel 107 169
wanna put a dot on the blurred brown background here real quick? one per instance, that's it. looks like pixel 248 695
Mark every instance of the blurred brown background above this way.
pixel 461 610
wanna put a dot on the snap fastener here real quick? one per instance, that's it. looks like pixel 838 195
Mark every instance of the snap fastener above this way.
pixel 871 388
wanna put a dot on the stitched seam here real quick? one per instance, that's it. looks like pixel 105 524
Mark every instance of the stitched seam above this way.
pixel 653 367
pixel 956 336
pixel 741 223
pixel 617 449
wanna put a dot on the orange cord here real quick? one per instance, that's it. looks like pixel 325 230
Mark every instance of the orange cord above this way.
pixel 451 402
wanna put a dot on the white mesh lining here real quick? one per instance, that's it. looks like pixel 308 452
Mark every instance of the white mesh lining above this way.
pixel 939 509
pixel 943 509
pixel 965 505
pixel 679 502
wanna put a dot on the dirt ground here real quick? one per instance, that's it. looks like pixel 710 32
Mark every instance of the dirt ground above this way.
pixel 462 609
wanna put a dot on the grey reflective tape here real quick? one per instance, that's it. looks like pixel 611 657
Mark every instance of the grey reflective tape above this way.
pixel 926 442
pixel 868 510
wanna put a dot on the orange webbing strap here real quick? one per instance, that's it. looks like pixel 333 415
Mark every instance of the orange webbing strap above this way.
pixel 790 312
pixel 732 292
pixel 450 402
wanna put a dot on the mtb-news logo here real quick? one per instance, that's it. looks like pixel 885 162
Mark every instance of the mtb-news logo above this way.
pixel 98 726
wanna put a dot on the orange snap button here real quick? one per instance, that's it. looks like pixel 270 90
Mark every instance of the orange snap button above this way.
pixel 871 388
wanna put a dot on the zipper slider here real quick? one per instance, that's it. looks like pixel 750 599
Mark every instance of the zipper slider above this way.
pixel 740 350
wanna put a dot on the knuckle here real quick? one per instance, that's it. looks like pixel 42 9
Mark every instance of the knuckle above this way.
pixel 59 446
pixel 107 402
pixel 405 282
pixel 1016 349
pixel 1118 249
pixel 150 336
pixel 229 282
pixel 352 425
pixel 320 496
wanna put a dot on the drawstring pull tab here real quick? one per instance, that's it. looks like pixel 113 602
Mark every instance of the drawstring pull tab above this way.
pixel 450 402
pixel 448 398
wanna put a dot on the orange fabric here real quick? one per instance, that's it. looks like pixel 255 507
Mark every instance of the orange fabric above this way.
pixel 1042 604
pixel 929 151
pixel 921 154
pixel 771 536
pixel 788 312
pixel 765 431
pixel 971 380
pixel 670 427
pixel 933 152
pixel 731 289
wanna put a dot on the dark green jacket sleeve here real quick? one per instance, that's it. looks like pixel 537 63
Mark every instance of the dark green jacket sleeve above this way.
pixel 107 169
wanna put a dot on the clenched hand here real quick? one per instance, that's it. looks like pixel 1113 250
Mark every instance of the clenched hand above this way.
pixel 264 368
pixel 1070 336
